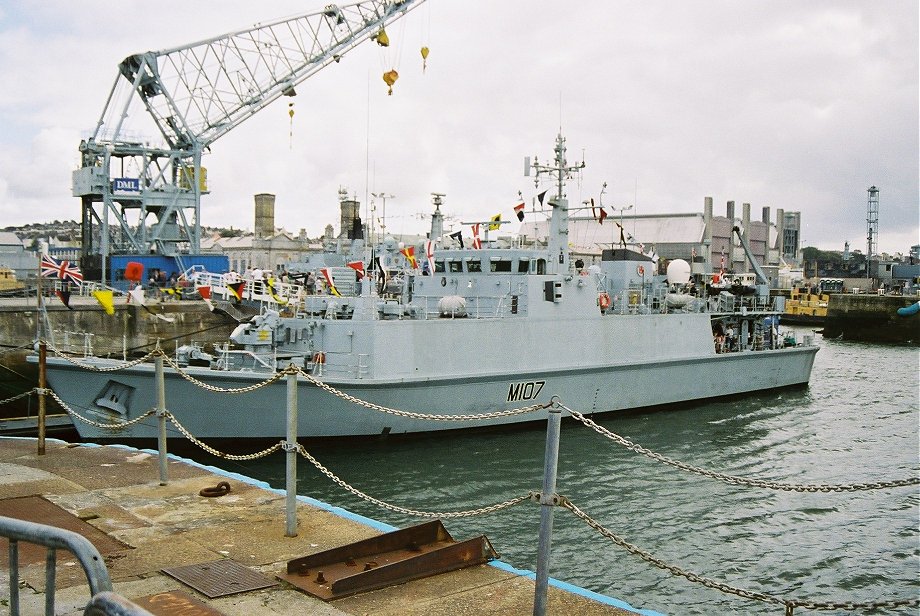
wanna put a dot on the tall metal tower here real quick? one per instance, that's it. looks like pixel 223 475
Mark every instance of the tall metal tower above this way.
pixel 872 226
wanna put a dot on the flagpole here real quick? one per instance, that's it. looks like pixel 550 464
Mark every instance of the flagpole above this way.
pixel 38 301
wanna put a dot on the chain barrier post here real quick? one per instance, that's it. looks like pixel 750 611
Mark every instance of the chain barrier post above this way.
pixel 161 417
pixel 290 447
pixel 550 465
pixel 42 383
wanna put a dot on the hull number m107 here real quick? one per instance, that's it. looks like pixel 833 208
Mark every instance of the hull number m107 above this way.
pixel 527 390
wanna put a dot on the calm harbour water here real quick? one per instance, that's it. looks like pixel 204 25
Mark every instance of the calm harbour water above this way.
pixel 856 422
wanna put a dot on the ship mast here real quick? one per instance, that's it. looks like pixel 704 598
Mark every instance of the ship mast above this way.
pixel 560 171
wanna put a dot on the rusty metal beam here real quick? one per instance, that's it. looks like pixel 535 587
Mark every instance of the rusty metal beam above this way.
pixel 393 558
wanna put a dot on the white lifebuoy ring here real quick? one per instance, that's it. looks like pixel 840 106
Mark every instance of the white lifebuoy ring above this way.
pixel 641 270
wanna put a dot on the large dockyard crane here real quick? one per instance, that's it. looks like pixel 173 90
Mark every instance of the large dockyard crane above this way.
pixel 193 95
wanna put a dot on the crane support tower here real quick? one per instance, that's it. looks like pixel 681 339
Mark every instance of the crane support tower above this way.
pixel 871 227
pixel 139 198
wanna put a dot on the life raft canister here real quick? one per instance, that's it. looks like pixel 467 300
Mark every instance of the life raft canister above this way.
pixel 641 270
pixel 603 300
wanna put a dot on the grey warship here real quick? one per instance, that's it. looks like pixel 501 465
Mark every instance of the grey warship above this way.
pixel 483 331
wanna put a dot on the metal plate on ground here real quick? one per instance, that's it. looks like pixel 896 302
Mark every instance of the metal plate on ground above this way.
pixel 219 578
pixel 175 602
pixel 38 509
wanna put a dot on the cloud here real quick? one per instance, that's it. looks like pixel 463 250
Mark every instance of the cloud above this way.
pixel 799 105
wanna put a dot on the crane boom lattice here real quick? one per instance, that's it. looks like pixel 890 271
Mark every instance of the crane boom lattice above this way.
pixel 189 97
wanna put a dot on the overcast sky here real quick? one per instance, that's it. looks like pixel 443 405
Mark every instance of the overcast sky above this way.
pixel 798 105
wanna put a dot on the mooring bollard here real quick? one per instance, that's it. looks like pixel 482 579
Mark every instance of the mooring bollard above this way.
pixel 290 448
pixel 161 417
pixel 547 504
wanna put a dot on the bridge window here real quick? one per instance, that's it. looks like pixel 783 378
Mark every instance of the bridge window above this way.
pixel 499 265
pixel 455 267
pixel 474 266
pixel 523 265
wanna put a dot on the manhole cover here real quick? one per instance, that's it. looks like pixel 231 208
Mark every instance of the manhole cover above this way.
pixel 220 578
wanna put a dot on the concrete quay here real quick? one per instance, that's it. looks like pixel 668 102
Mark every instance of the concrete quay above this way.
pixel 141 527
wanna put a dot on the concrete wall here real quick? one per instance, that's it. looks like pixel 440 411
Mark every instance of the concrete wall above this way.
pixel 131 326
pixel 871 318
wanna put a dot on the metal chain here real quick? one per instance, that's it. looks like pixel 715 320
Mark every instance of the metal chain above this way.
pixel 851 606
pixel 111 426
pixel 86 366
pixel 648 557
pixel 424 514
pixel 790 604
pixel 224 390
pixel 433 417
pixel 21 347
pixel 22 395
pixel 741 481
pixel 218 453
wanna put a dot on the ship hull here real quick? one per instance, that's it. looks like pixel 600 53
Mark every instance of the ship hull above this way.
pixel 107 397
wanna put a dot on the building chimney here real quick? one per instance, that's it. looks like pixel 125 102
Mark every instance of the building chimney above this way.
pixel 730 214
pixel 265 216
pixel 780 231
pixel 707 232
pixel 765 216
pixel 746 230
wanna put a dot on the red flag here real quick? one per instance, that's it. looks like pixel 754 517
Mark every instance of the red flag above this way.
pixel 237 289
pixel 409 253
pixel 205 293
pixel 329 281
pixel 358 266
pixel 477 243
pixel 602 216
pixel 519 210
pixel 65 297
pixel 429 255
pixel 134 271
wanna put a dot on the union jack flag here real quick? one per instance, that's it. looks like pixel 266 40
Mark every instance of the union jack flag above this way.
pixel 64 270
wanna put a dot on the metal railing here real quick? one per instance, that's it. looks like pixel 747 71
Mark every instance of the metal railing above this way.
pixel 103 602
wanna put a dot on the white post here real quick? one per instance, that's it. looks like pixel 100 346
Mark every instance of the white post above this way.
pixel 547 504
pixel 290 448
pixel 161 417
